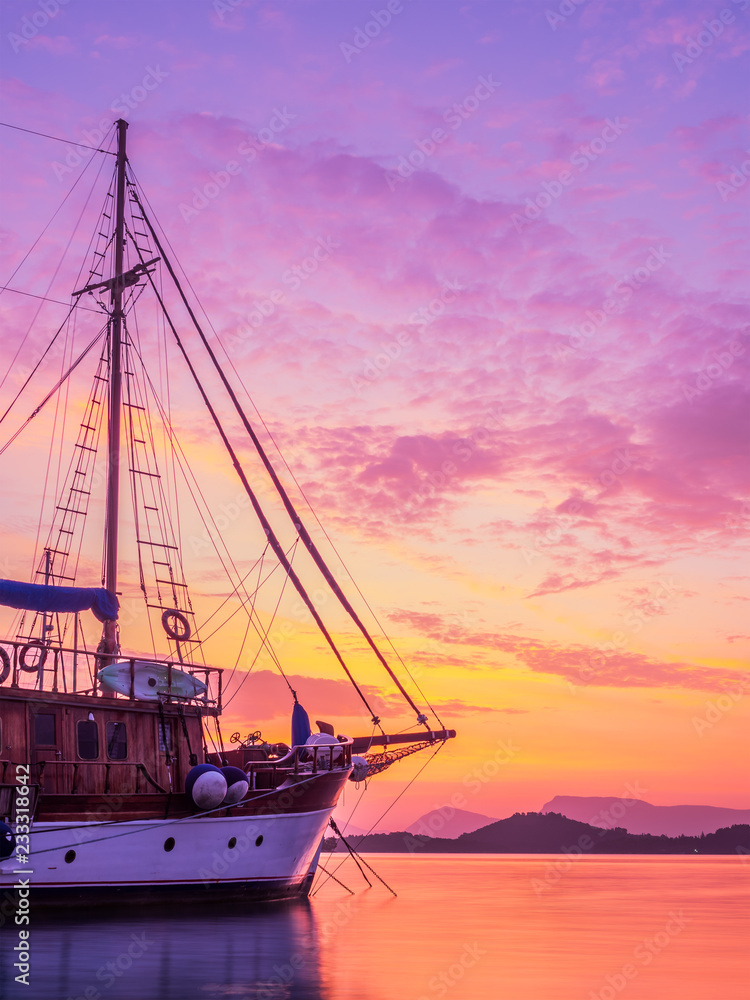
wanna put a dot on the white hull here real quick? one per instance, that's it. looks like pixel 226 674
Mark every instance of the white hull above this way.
pixel 270 856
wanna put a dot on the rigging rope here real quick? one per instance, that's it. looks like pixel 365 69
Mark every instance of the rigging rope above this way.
pixel 338 881
pixel 57 269
pixel 355 855
pixel 263 642
pixel 270 535
pixel 68 142
pixel 61 381
pixel 288 505
pixel 46 298
pixel 402 792
pixel 35 369
pixel 196 493
pixel 296 481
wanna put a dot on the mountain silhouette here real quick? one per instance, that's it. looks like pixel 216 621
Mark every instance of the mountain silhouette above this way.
pixel 449 822
pixel 551 833
pixel 637 816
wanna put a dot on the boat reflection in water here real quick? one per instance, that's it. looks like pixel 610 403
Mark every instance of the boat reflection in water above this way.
pixel 268 953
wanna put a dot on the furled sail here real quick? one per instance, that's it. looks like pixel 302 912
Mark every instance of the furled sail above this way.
pixel 44 597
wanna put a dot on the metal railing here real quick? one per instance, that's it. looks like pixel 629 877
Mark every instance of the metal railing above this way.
pixel 21 661
pixel 301 760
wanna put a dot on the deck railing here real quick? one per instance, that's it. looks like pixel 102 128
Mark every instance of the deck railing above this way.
pixel 26 665
pixel 68 776
pixel 300 761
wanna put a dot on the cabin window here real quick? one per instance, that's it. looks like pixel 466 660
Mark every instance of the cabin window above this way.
pixel 165 735
pixel 117 741
pixel 88 740
pixel 44 730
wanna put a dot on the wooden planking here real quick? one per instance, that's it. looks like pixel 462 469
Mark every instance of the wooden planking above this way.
pixel 63 772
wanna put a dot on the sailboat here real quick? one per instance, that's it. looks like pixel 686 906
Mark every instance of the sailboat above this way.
pixel 115 781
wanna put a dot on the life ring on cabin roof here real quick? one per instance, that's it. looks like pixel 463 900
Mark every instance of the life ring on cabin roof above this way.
pixel 177 616
pixel 39 663
pixel 4 665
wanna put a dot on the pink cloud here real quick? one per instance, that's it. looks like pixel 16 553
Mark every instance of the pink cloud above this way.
pixel 608 666
pixel 57 45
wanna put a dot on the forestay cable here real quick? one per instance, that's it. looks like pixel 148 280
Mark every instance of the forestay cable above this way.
pixel 289 506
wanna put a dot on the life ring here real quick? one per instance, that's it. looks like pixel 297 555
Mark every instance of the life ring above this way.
pixel 172 632
pixel 39 663
pixel 4 665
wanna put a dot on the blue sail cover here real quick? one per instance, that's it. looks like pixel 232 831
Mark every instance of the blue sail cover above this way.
pixel 300 725
pixel 43 597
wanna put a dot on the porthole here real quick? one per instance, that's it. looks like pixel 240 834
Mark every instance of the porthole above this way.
pixel 69 857
pixel 169 844
pixel 259 840
pixel 232 843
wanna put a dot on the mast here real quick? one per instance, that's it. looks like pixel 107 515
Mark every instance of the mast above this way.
pixel 109 642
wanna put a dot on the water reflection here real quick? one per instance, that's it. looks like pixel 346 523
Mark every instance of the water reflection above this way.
pixel 271 953
pixel 463 927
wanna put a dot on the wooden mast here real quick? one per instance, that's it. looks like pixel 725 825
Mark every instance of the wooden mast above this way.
pixel 109 643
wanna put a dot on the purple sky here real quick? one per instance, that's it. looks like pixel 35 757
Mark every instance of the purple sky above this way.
pixel 486 278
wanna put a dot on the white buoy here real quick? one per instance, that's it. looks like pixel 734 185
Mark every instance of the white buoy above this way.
pixel 237 785
pixel 206 785
pixel 361 767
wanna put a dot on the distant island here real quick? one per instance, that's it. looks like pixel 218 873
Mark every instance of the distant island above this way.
pixel 639 816
pixel 549 833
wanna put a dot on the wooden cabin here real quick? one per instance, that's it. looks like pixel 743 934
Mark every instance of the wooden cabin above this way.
pixel 92 754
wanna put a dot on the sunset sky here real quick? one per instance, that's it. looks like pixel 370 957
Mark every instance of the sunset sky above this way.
pixel 483 269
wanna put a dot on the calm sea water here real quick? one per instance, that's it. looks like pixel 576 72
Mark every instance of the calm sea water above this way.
pixel 473 927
